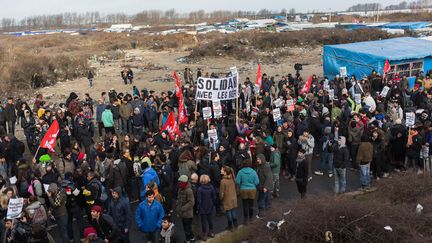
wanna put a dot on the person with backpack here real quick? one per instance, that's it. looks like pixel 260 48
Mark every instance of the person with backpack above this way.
pixel 104 225
pixel 166 176
pixel 118 175
pixel 119 209
pixel 149 175
pixel 16 231
pixel 74 210
pixel 36 212
pixel 57 199
pixel 94 191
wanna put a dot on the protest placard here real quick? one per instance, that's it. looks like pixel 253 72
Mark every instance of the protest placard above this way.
pixel 15 207
pixel 331 94
pixel 384 91
pixel 357 98
pixel 276 114
pixel 343 72
pixel 409 119
pixel 279 102
pixel 217 109
pixel 207 113
pixel 290 105
pixel 217 88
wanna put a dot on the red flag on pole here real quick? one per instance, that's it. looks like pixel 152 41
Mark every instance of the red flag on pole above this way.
pixel 171 126
pixel 386 67
pixel 307 86
pixel 258 80
pixel 49 140
pixel 182 118
pixel 178 85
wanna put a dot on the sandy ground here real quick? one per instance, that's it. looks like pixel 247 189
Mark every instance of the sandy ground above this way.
pixel 108 76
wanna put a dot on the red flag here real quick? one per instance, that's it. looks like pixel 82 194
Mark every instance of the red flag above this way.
pixel 49 140
pixel 178 85
pixel 386 67
pixel 258 80
pixel 171 126
pixel 307 86
pixel 182 118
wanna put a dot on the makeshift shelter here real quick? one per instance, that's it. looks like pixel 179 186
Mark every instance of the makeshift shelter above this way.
pixel 407 56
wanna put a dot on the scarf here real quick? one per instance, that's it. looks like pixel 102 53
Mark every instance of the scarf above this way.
pixel 182 185
pixel 166 234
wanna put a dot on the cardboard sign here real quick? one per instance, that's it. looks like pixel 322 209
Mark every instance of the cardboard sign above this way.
pixel 276 114
pixel 331 94
pixel 279 102
pixel 410 119
pixel 217 88
pixel 384 91
pixel 212 133
pixel 207 113
pixel 343 72
pixel 357 98
pixel 290 105
pixel 217 109
pixel 15 207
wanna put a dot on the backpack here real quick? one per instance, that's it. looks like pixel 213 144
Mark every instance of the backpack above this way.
pixel 137 168
pixel 103 195
pixel 183 169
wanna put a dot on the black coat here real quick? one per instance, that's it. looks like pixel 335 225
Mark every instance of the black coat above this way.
pixel 106 228
pixel 340 157
pixel 9 111
pixel 84 135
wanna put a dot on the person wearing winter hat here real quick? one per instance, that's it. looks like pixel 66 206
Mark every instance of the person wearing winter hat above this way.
pixel 120 210
pixel 104 225
pixel 91 236
pixel 57 199
pixel 185 206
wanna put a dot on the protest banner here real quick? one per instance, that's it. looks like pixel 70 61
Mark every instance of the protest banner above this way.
pixel 15 207
pixel 207 113
pixel 290 105
pixel 409 119
pixel 217 88
pixel 384 91
pixel 217 109
pixel 343 72
pixel 276 114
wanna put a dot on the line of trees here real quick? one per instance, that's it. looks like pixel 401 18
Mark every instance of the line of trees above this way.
pixel 144 17
pixel 402 5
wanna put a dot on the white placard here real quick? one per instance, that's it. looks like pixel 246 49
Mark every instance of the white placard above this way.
pixel 207 113
pixel 233 70
pixel 326 87
pixel 46 186
pixel 357 98
pixel 409 119
pixel 257 89
pixel 13 180
pixel 343 72
pixel 254 111
pixel 384 91
pixel 217 109
pixel 15 207
pixel 279 102
pixel 331 94
pixel 217 88
pixel 276 114
pixel 212 133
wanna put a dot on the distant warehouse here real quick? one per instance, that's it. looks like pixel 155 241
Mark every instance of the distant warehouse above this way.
pixel 407 56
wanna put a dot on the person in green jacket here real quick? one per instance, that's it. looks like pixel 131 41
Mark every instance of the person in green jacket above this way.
pixel 108 120
pixel 275 165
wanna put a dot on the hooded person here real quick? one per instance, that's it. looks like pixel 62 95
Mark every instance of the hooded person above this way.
pixel 57 199
pixel 149 175
pixel 265 185
pixel 120 210
pixel 137 121
pixel 341 156
pixel 247 179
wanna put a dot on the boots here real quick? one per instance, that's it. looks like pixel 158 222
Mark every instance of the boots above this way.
pixel 230 226
pixel 235 223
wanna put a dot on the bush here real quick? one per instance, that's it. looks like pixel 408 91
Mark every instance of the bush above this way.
pixel 360 219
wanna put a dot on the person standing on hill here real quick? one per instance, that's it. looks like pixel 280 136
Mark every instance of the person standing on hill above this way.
pixel 90 77
pixel 10 116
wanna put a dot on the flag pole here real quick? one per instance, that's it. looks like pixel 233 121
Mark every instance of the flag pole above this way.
pixel 37 151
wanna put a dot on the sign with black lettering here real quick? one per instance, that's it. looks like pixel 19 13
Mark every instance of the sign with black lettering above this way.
pixel 207 113
pixel 217 88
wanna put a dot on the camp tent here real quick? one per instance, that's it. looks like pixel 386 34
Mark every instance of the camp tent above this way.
pixel 407 56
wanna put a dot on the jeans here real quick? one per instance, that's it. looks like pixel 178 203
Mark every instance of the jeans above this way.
pixel 62 223
pixel 326 158
pixel 364 174
pixel 126 125
pixel 206 218
pixel 150 236
pixel 75 212
pixel 117 125
pixel 10 127
pixel 231 216
pixel 264 200
pixel 187 228
pixel 340 180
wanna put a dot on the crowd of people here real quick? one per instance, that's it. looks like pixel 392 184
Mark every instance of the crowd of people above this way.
pixel 112 151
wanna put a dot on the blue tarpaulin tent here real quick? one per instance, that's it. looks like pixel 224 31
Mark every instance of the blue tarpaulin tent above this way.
pixel 406 25
pixel 362 57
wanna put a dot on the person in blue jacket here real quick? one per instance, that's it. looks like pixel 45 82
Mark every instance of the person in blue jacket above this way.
pixel 148 175
pixel 248 180
pixel 148 215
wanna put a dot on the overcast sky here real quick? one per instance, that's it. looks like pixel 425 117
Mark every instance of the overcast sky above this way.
pixel 22 8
